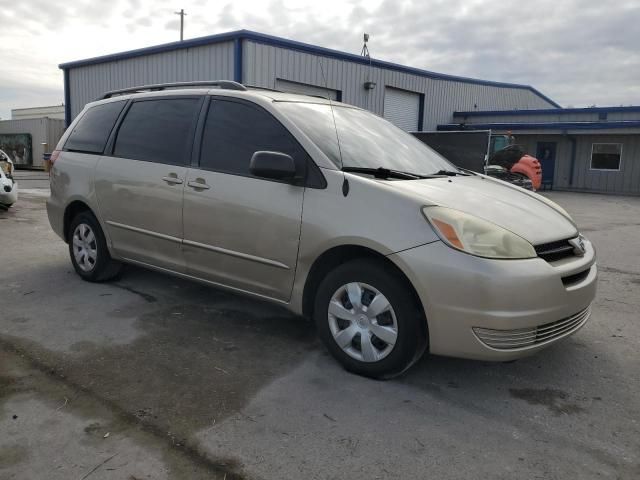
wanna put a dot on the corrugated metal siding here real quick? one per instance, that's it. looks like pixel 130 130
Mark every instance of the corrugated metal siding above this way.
pixel 42 130
pixel 209 62
pixel 262 64
pixel 627 180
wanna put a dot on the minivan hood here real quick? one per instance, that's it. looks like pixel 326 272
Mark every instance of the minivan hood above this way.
pixel 510 207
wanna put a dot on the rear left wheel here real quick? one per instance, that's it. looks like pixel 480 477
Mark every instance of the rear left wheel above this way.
pixel 88 250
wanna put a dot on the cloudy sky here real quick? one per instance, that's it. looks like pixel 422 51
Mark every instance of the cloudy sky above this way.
pixel 578 52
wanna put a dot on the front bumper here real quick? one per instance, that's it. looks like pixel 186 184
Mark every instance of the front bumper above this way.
pixel 498 309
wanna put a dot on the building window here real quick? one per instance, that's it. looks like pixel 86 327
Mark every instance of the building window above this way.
pixel 606 156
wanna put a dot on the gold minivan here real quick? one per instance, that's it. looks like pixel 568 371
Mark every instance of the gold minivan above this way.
pixel 327 209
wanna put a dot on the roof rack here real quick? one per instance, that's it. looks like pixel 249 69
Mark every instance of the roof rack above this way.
pixel 226 84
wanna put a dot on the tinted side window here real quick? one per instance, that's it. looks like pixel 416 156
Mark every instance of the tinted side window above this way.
pixel 234 131
pixel 158 131
pixel 92 131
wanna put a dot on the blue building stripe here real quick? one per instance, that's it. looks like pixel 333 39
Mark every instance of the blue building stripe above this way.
pixel 548 111
pixel 542 126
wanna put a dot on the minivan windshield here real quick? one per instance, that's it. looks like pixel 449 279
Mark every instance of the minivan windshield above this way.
pixel 366 140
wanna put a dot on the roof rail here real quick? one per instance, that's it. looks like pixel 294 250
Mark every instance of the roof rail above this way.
pixel 226 84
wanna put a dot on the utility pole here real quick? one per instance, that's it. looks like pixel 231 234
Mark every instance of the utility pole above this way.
pixel 182 14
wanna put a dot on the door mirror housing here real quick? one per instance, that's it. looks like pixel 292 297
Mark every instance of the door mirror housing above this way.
pixel 273 165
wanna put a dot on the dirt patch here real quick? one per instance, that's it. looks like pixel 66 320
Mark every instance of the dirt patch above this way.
pixel 555 400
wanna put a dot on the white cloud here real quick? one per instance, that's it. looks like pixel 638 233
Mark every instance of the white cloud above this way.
pixel 577 52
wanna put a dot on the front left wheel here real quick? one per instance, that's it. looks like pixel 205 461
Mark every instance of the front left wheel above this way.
pixel 88 250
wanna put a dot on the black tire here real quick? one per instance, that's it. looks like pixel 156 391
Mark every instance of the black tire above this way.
pixel 412 331
pixel 104 268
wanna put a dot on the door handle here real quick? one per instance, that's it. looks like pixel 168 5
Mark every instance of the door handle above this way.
pixel 172 179
pixel 198 184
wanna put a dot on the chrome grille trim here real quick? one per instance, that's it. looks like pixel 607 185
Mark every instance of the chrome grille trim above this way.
pixel 527 337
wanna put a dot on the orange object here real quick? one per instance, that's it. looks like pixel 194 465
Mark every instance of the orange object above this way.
pixel 529 167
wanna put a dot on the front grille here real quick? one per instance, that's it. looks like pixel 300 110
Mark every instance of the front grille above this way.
pixel 527 337
pixel 554 251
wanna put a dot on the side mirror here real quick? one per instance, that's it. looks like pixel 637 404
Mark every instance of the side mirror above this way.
pixel 275 165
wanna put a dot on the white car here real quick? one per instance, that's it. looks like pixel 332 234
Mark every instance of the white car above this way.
pixel 8 186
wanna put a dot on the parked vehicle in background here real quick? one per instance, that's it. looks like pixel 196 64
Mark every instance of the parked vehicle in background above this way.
pixel 501 173
pixel 8 186
pixel 326 209
pixel 513 158
pixel 481 152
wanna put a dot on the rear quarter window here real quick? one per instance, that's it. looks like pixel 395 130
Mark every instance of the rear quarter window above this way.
pixel 92 131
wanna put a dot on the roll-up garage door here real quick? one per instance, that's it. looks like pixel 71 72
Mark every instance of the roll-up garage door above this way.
pixel 402 108
pixel 304 89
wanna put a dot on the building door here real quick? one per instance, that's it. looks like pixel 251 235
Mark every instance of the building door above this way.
pixel 546 154
pixel 402 108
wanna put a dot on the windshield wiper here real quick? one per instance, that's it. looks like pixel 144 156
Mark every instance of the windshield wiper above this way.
pixel 383 173
pixel 450 173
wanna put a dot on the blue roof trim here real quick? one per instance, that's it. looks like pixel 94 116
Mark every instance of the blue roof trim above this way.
pixel 294 45
pixel 542 126
pixel 548 111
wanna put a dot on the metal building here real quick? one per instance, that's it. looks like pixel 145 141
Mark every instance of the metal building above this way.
pixel 585 149
pixel 51 111
pixel 412 98
pixel 26 140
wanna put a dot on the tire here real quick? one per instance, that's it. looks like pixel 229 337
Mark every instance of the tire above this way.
pixel 88 250
pixel 393 355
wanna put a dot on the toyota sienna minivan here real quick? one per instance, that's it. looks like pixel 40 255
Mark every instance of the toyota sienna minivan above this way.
pixel 326 209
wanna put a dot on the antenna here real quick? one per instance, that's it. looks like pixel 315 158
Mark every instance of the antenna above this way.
pixel 333 117
pixel 365 49
pixel 182 14
pixel 369 84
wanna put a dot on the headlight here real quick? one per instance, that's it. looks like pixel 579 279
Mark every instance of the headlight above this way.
pixel 476 236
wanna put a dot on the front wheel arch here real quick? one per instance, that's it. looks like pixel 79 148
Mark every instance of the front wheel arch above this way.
pixel 336 256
